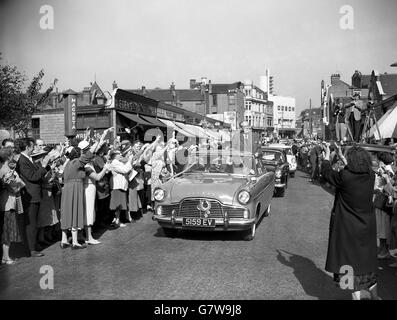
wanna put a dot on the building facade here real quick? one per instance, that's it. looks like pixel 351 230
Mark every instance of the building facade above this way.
pixel 120 109
pixel 258 110
pixel 310 121
pixel 284 114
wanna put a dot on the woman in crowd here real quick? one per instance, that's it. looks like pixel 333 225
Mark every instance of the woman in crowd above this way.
pixel 92 177
pixel 135 183
pixel 119 185
pixel 90 180
pixel 73 215
pixel 352 237
pixel 10 204
pixel 48 216
pixel 158 163
pixel 102 188
pixel 382 218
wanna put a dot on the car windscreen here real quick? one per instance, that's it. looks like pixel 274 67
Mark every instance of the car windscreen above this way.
pixel 234 164
pixel 271 156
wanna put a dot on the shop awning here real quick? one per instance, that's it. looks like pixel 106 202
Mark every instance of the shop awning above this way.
pixel 135 118
pixel 197 131
pixel 155 122
pixel 387 125
pixel 216 135
pixel 170 124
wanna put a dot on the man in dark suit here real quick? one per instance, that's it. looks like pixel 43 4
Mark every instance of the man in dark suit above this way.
pixel 32 174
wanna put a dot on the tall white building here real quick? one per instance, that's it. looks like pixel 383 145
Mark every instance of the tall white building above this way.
pixel 284 116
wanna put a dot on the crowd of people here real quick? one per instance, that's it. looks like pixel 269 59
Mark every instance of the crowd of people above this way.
pixel 64 192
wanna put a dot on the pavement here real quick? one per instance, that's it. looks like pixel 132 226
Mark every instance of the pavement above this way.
pixel 285 260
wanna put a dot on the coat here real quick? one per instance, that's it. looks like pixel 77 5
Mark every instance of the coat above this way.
pixel 32 175
pixel 352 235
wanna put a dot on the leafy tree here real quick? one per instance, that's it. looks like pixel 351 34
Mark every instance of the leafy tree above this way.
pixel 17 104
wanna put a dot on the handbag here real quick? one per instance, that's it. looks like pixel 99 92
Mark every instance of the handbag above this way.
pixel 380 200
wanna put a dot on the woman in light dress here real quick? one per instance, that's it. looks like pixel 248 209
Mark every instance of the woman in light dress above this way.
pixel 90 194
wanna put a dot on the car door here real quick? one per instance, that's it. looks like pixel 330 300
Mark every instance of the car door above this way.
pixel 285 167
pixel 262 190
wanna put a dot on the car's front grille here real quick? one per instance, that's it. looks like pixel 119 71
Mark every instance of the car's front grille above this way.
pixel 189 209
pixel 167 210
pixel 234 212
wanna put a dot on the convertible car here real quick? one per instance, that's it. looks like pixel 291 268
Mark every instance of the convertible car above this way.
pixel 218 191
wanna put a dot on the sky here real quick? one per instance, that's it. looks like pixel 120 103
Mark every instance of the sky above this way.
pixel 155 42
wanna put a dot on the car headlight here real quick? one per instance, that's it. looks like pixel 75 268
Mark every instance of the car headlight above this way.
pixel 243 197
pixel 278 173
pixel 159 194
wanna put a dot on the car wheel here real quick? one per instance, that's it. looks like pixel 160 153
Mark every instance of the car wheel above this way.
pixel 280 192
pixel 172 233
pixel 250 234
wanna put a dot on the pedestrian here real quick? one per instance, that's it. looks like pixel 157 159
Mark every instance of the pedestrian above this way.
pixel 48 215
pixel 32 175
pixel 352 236
pixel 119 186
pixel 382 217
pixel 10 204
pixel 73 215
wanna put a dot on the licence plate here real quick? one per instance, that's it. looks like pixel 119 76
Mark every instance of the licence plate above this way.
pixel 198 222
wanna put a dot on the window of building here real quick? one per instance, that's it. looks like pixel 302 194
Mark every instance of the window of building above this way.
pixel 36 128
pixel 214 100
pixel 232 99
pixel 289 108
pixel 279 108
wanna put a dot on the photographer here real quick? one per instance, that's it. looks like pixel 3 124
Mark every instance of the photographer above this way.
pixel 352 236
pixel 356 111
pixel 340 125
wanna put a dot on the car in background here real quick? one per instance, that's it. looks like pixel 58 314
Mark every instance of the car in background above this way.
pixel 275 159
pixel 291 158
pixel 220 190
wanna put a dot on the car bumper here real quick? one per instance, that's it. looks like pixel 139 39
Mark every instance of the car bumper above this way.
pixel 220 224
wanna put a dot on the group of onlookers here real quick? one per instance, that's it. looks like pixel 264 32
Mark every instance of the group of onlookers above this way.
pixel 65 192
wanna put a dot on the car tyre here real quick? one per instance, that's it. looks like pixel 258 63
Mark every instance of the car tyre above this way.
pixel 249 235
pixel 280 192
pixel 171 233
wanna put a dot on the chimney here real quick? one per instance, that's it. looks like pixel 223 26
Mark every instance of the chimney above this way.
pixel 356 79
pixel 193 83
pixel 143 90
pixel 209 87
pixel 204 80
pixel 335 78
pixel 114 85
pixel 172 86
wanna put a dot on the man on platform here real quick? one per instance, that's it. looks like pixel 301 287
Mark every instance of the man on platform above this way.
pixel 357 107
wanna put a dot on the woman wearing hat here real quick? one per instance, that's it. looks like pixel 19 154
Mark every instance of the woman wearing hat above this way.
pixel 119 184
pixel 73 215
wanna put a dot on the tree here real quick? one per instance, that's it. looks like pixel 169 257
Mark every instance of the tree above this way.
pixel 17 105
